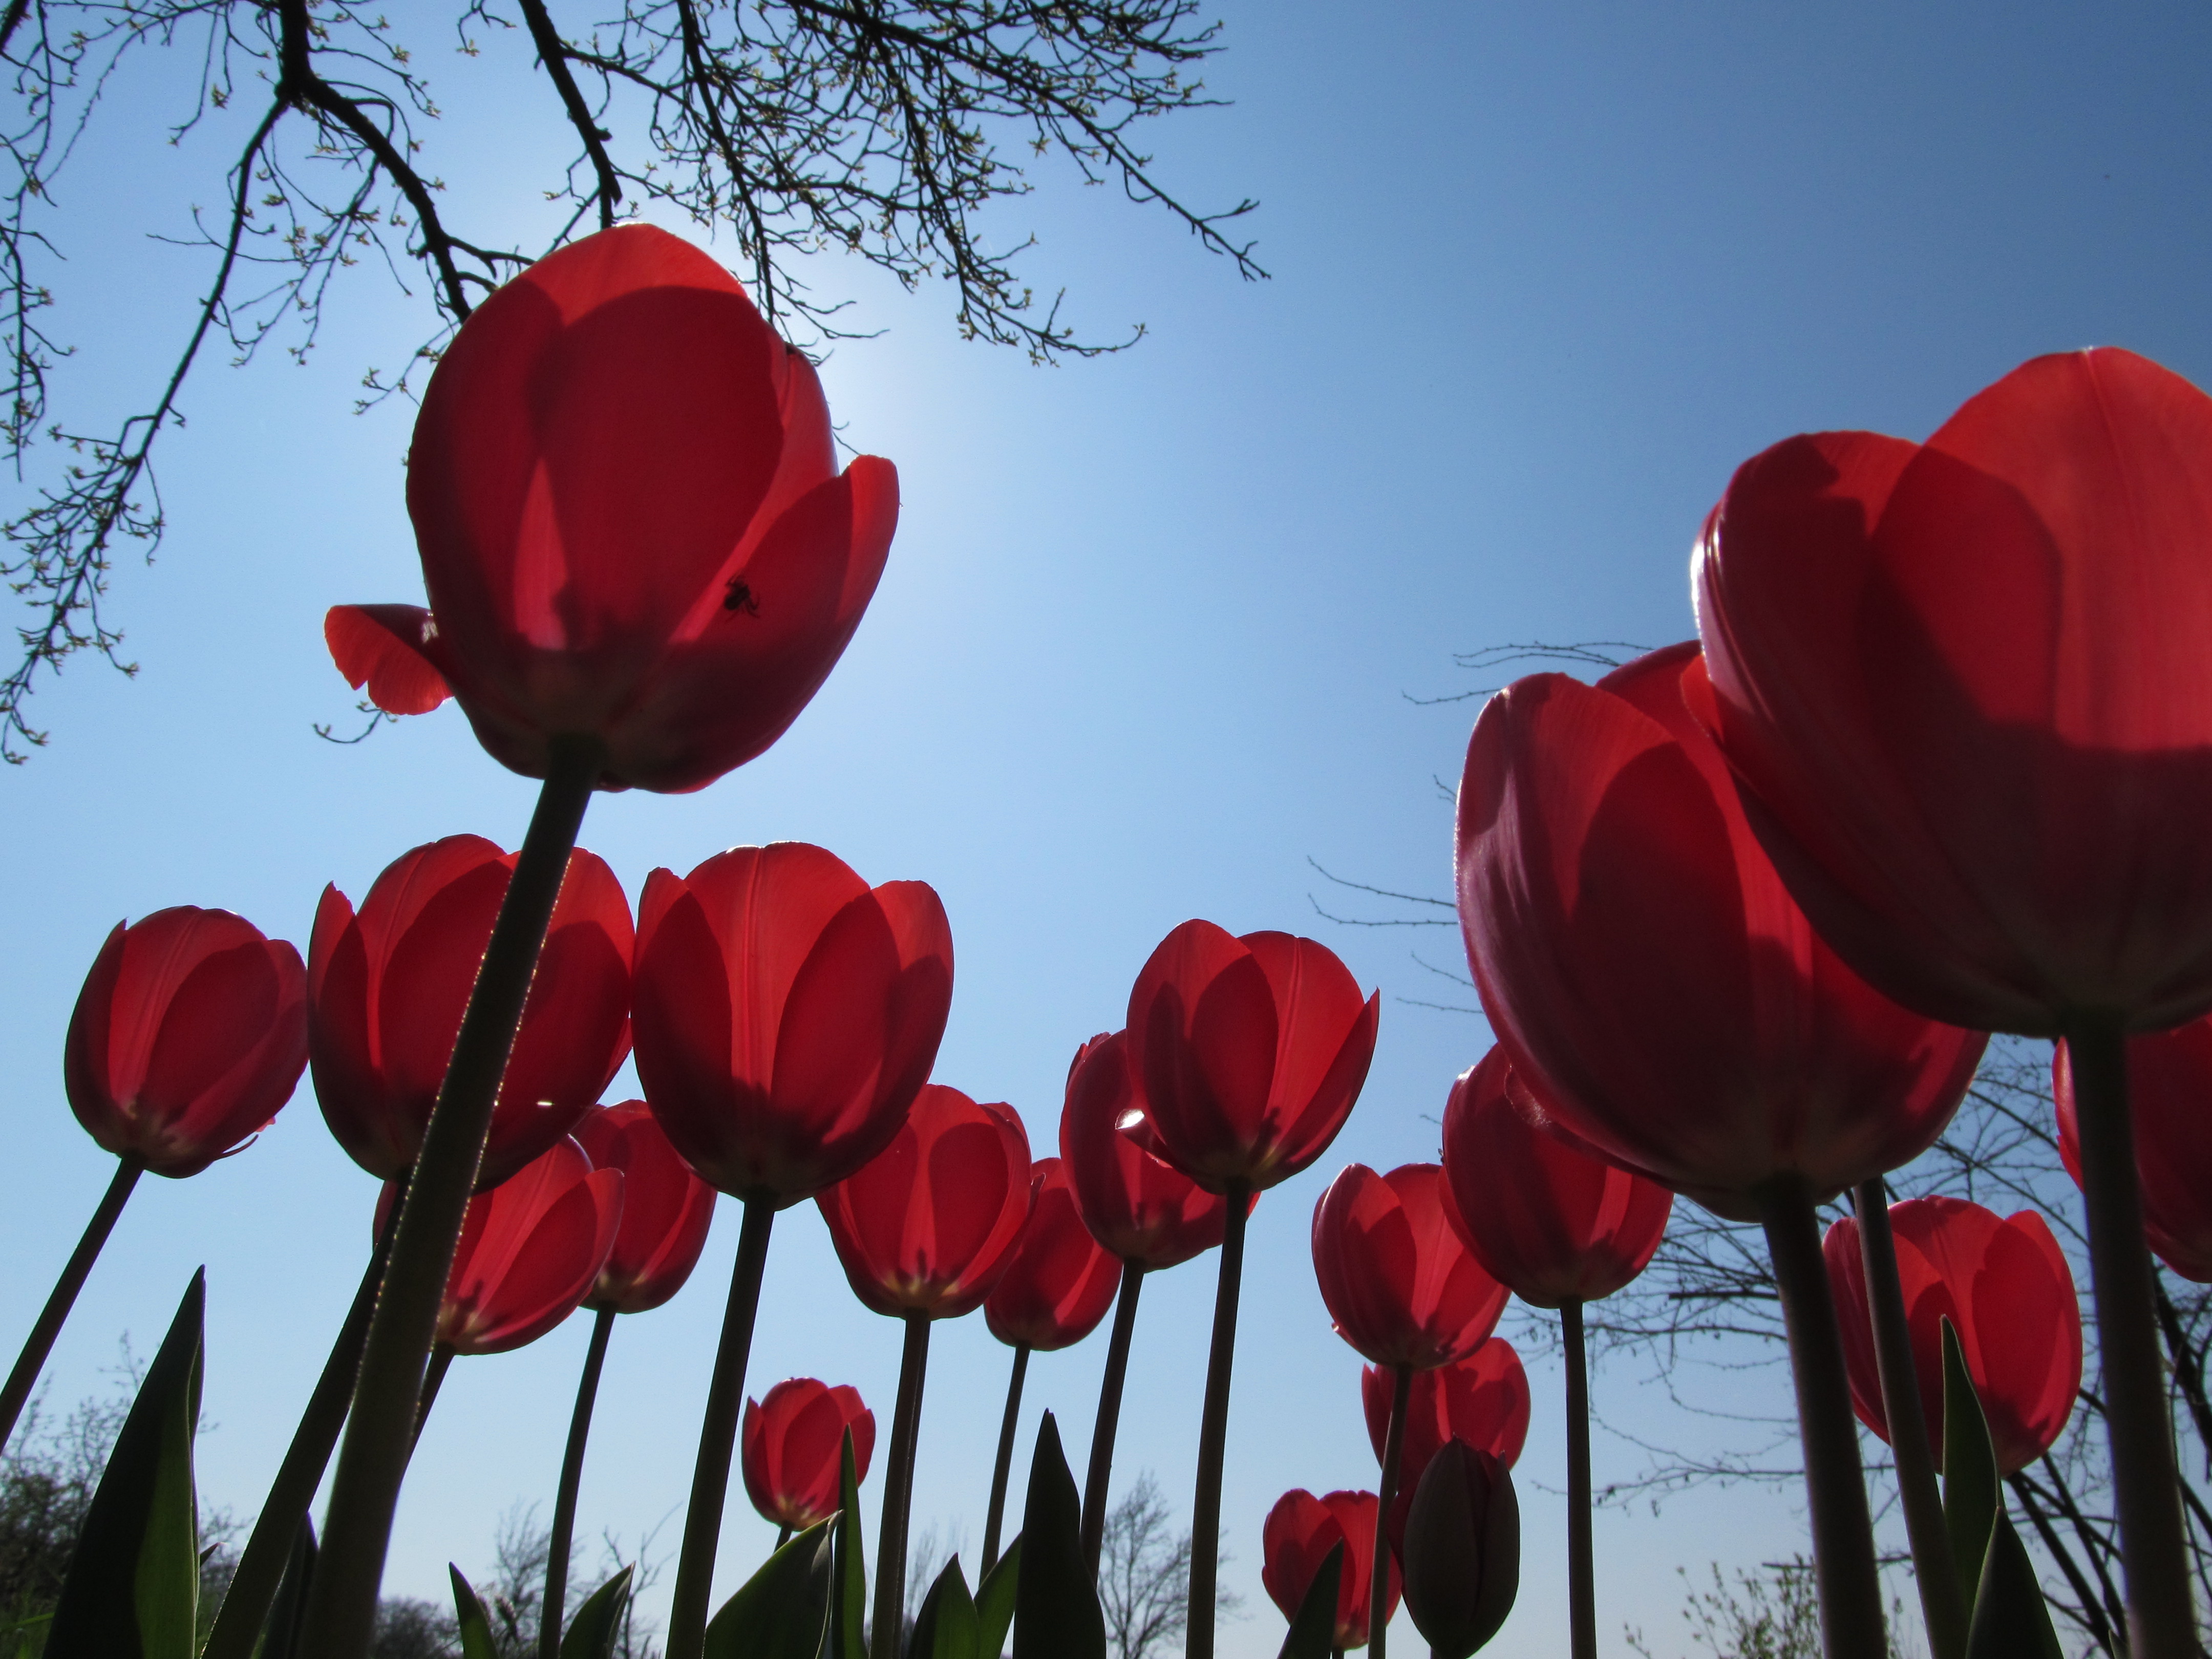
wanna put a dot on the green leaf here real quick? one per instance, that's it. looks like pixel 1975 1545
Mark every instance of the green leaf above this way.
pixel 2010 1618
pixel 1970 1499
pixel 945 1626
pixel 1056 1613
pixel 592 1632
pixel 1313 1633
pixel 134 1582
pixel 475 1622
pixel 783 1610
pixel 288 1613
pixel 848 1597
pixel 994 1602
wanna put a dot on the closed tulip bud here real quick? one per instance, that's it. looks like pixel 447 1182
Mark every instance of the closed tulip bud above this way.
pixel 626 495
pixel 1140 1207
pixel 794 1449
pixel 1463 1551
pixel 1397 1277
pixel 190 1033
pixel 1061 1283
pixel 665 1209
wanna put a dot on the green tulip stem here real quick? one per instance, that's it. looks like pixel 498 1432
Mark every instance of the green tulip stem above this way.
pixel 996 1516
pixel 1213 1434
pixel 2161 1624
pixel 1835 1487
pixel 572 1478
pixel 1582 1570
pixel 898 1492
pixel 434 1378
pixel 718 1438
pixel 269 1549
pixel 1940 1607
pixel 373 1462
pixel 1393 1452
pixel 1100 1475
pixel 40 1342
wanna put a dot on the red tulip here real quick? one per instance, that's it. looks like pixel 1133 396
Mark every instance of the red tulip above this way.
pixel 1397 1278
pixel 625 491
pixel 2170 1098
pixel 1966 682
pixel 2004 1285
pixel 1647 973
pixel 1061 1283
pixel 1141 1208
pixel 530 1250
pixel 787 1014
pixel 1297 1536
pixel 665 1209
pixel 386 989
pixel 1482 1399
pixel 190 1032
pixel 931 1221
pixel 1250 1052
pixel 794 1444
pixel 1551 1221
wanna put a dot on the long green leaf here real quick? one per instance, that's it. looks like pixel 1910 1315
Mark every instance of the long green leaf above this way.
pixel 848 1596
pixel 1056 1613
pixel 1971 1500
pixel 592 1632
pixel 994 1602
pixel 288 1613
pixel 475 1622
pixel 1313 1633
pixel 945 1626
pixel 782 1612
pixel 133 1586
pixel 2010 1618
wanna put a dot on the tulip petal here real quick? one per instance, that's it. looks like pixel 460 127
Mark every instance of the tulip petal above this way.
pixel 382 647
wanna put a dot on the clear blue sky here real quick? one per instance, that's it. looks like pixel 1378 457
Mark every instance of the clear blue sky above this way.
pixel 1542 277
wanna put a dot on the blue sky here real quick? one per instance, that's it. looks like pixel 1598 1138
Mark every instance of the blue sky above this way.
pixel 1542 277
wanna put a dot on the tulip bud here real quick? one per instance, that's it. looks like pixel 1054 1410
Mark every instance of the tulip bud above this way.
pixel 1462 1554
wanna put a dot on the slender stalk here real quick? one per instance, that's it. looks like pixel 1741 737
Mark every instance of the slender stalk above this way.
pixel 1213 1436
pixel 2161 1624
pixel 889 1634
pixel 1100 1475
pixel 269 1550
pixel 572 1478
pixel 1582 1570
pixel 441 1361
pixel 1835 1489
pixel 1394 1450
pixel 782 1537
pixel 16 1392
pixel 1941 1607
pixel 373 1462
pixel 1007 1424
pixel 718 1438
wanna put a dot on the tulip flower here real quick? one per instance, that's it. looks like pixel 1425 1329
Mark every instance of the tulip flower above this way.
pixel 924 1231
pixel 1141 1209
pixel 1965 682
pixel 189 1036
pixel 1560 1228
pixel 1297 1537
pixel 666 1212
pixel 1482 1399
pixel 794 1439
pixel 387 987
pixel 1250 1052
pixel 2170 1090
pixel 1052 1295
pixel 1463 1551
pixel 786 1015
pixel 1659 994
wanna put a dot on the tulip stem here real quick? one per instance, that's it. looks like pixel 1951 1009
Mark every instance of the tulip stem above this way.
pixel 434 1378
pixel 373 1462
pixel 2161 1625
pixel 898 1492
pixel 1942 1608
pixel 718 1438
pixel 1581 1571
pixel 36 1347
pixel 1393 1451
pixel 997 1513
pixel 1101 1472
pixel 1213 1433
pixel 572 1478
pixel 269 1550
pixel 1835 1487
